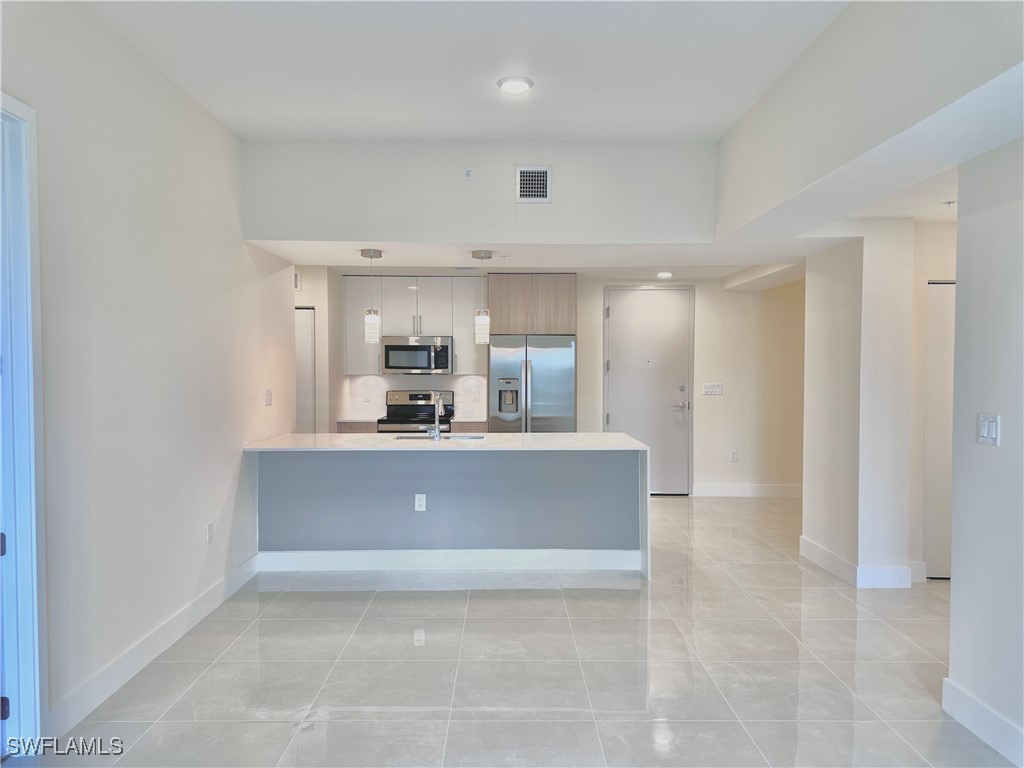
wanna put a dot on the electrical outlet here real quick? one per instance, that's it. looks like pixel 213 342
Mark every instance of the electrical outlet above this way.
pixel 268 397
pixel 733 455
pixel 420 502
pixel 476 395
pixel 209 532
pixel 366 396
pixel 419 638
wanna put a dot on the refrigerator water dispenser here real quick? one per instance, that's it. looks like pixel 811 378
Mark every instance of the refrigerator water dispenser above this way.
pixel 508 395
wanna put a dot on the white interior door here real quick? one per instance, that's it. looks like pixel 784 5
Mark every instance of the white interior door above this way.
pixel 938 427
pixel 648 343
pixel 305 371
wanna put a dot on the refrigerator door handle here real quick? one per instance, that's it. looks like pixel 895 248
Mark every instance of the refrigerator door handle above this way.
pixel 524 389
pixel 529 396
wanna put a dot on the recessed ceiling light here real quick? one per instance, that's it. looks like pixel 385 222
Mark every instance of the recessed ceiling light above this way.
pixel 664 275
pixel 515 85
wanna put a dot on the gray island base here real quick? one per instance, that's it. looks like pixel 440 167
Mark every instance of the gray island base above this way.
pixel 502 501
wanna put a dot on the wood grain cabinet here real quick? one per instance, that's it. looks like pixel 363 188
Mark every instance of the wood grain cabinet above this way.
pixel 356 427
pixel 468 427
pixel 535 303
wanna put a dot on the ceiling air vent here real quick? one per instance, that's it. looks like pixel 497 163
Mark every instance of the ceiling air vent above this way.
pixel 533 183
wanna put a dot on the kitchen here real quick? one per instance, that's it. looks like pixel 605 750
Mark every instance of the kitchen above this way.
pixel 505 339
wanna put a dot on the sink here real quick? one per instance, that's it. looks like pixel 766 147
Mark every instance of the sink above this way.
pixel 443 437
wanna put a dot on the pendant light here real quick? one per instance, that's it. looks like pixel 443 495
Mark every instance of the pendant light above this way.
pixel 482 317
pixel 371 318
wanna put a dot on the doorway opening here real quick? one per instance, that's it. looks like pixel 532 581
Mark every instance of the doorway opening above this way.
pixel 21 629
pixel 648 377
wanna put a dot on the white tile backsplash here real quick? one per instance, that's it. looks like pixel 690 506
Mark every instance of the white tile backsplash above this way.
pixel 362 397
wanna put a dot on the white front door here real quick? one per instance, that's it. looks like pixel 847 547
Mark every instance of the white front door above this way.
pixel 305 371
pixel 648 358
pixel 938 427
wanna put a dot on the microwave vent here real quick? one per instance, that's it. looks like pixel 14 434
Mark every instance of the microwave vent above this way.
pixel 533 183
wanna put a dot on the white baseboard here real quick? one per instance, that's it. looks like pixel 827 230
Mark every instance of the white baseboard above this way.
pixel 766 490
pixel 829 560
pixel 1004 736
pixel 883 576
pixel 918 570
pixel 70 710
pixel 429 559
pixel 860 576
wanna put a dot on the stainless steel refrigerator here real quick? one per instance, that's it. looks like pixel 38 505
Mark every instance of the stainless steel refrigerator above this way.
pixel 532 384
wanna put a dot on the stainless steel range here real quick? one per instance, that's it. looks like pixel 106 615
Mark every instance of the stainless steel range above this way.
pixel 412 410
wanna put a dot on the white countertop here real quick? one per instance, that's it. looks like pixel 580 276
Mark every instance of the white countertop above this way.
pixel 494 441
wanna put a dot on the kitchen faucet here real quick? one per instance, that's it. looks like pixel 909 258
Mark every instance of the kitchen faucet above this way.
pixel 438 405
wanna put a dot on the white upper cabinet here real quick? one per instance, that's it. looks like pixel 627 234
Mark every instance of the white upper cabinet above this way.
pixel 434 306
pixel 468 295
pixel 398 306
pixel 415 306
pixel 360 358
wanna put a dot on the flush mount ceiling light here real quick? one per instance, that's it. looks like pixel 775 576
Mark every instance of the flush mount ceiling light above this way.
pixel 664 275
pixel 371 317
pixel 515 85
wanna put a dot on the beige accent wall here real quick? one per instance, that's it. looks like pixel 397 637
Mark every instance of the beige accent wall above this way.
pixel 750 342
pixel 161 330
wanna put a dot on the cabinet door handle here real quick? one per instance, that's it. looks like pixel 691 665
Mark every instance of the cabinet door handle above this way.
pixel 414 331
pixel 419 327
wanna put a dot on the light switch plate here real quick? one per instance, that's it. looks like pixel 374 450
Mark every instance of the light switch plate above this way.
pixel 714 389
pixel 268 397
pixel 988 428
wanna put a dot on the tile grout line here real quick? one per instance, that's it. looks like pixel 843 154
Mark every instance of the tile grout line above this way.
pixel 583 675
pixel 714 682
pixel 259 612
pixel 330 672
pixel 455 678
pixel 841 681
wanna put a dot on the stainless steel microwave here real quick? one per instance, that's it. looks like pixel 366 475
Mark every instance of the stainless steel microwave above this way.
pixel 416 354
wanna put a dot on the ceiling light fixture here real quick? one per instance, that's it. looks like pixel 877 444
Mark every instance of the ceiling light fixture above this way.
pixel 371 317
pixel 664 275
pixel 482 317
pixel 515 85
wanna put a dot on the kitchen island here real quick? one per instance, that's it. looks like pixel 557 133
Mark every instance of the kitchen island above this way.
pixel 549 501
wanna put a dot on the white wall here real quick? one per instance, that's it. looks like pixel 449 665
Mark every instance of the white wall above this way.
pixel 823 113
pixel 414 191
pixel 750 342
pixel 885 395
pixel 985 688
pixel 934 259
pixel 832 406
pixel 161 330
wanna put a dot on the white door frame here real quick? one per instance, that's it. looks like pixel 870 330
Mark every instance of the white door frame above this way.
pixel 604 355
pixel 25 648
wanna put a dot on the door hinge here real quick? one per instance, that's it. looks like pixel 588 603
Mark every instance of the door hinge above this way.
pixel 3 544
pixel 607 419
pixel 607 365
pixel 607 312
pixel 5 708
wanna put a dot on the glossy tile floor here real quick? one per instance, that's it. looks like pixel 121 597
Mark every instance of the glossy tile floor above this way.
pixel 735 655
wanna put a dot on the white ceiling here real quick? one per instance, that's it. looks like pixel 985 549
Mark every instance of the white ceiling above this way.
pixel 603 70
pixel 637 261
pixel 924 201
